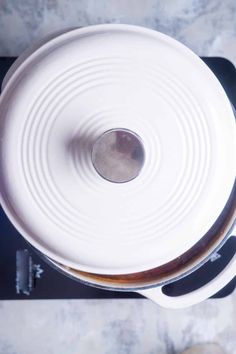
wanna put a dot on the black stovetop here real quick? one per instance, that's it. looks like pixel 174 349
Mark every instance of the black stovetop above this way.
pixel 25 275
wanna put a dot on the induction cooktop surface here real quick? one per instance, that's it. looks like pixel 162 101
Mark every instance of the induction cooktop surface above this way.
pixel 25 275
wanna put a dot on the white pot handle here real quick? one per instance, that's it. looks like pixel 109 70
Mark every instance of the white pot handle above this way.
pixel 196 296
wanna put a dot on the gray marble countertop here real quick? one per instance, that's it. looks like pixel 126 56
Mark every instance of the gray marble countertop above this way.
pixel 117 326
pixel 206 26
pixel 114 326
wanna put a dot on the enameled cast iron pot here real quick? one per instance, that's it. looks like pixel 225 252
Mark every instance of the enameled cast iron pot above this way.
pixel 117 159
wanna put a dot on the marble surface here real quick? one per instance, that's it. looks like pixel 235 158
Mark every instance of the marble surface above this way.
pixel 114 327
pixel 117 326
pixel 206 26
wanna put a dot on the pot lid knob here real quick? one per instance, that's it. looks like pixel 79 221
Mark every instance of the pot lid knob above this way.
pixel 118 155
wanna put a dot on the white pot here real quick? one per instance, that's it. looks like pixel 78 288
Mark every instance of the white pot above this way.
pixel 93 107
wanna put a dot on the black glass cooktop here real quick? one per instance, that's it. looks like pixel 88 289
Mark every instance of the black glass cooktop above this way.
pixel 25 275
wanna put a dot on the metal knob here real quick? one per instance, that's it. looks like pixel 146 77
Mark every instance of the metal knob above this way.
pixel 118 155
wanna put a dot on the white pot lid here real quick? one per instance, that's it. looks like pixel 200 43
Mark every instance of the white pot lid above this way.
pixel 58 104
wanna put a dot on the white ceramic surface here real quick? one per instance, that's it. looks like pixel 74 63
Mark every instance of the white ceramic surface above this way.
pixel 78 86
pixel 196 296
